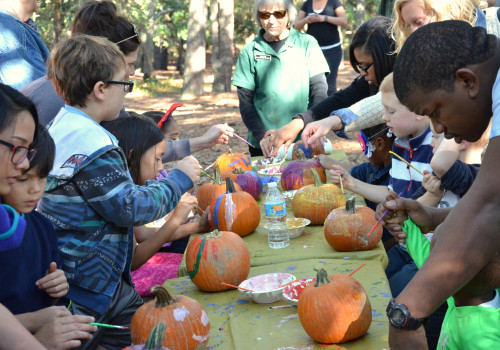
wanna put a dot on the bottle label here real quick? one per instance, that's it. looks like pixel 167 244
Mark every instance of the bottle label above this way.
pixel 275 208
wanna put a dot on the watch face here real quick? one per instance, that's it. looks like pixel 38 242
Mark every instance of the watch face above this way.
pixel 397 318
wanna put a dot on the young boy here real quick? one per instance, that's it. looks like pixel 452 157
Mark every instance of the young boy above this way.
pixel 90 198
pixel 454 78
pixel 455 167
pixel 31 268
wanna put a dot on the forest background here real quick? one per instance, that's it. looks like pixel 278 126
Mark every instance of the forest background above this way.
pixel 188 51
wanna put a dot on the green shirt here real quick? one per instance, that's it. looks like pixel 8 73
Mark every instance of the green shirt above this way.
pixel 464 327
pixel 280 80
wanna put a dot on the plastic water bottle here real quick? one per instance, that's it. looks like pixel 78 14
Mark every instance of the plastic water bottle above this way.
pixel 275 207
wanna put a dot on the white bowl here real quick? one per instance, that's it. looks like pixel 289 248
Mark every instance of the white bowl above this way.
pixel 266 288
pixel 295 226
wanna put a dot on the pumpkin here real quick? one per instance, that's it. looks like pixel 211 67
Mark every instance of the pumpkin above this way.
pixel 334 309
pixel 231 160
pixel 315 202
pixel 296 174
pixel 210 191
pixel 217 257
pixel 187 323
pixel 309 152
pixel 346 229
pixel 233 211
pixel 249 181
pixel 154 341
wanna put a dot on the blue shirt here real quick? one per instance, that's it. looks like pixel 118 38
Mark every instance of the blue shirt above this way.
pixel 24 265
pixel 22 53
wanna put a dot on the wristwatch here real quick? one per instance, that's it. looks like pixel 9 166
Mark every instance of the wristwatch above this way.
pixel 400 316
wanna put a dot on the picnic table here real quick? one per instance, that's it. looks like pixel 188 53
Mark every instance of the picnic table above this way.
pixel 237 323
pixel 311 245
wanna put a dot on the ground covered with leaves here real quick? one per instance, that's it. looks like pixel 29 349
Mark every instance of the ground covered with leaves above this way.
pixel 200 113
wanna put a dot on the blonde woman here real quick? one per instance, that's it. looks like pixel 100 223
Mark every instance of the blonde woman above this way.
pixel 409 15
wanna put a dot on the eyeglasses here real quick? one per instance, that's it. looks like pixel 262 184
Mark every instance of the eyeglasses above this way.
pixel 136 34
pixel 364 69
pixel 128 86
pixel 277 14
pixel 19 153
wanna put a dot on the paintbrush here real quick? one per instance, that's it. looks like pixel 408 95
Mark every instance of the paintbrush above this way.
pixel 379 220
pixel 109 325
pixel 401 159
pixel 230 285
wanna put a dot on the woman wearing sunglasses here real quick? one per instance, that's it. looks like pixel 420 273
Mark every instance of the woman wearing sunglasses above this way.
pixel 279 74
pixel 370 56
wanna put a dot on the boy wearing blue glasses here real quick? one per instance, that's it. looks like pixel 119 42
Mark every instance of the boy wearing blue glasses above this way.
pixel 91 199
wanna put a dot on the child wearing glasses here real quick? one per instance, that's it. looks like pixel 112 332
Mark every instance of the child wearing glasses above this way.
pixel 91 199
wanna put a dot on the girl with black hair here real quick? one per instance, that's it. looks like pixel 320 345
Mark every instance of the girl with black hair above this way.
pixel 370 55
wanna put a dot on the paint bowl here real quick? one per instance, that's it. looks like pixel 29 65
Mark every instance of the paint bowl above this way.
pixel 295 226
pixel 266 288
pixel 293 290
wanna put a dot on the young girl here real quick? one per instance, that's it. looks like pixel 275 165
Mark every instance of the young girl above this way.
pixel 144 144
pixel 166 122
pixel 54 327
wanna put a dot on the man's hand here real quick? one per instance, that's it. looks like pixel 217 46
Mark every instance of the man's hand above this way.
pixel 190 167
pixel 401 339
pixel 54 283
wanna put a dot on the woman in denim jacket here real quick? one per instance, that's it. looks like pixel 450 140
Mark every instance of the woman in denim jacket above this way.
pixel 22 52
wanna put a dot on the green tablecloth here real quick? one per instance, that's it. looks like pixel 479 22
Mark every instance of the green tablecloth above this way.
pixel 311 245
pixel 238 323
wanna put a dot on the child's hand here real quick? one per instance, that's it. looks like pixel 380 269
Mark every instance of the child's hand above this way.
pixel 65 332
pixel 326 161
pixel 432 184
pixel 190 167
pixel 54 283
pixel 336 173
pixel 204 227
pixel 186 204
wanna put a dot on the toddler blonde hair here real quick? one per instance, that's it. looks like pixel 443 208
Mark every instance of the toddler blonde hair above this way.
pixel 387 85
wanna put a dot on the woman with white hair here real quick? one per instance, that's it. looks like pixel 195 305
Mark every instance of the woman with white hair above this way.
pixel 279 74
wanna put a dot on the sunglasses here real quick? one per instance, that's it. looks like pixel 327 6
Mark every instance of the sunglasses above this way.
pixel 364 69
pixel 136 35
pixel 276 14
pixel 128 86
pixel 364 140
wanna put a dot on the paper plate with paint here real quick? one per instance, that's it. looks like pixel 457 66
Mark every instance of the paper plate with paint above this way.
pixel 295 226
pixel 293 290
pixel 266 288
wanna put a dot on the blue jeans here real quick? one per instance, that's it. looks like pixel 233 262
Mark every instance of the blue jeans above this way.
pixel 333 56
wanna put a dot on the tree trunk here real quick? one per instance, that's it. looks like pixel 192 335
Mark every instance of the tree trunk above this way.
pixel 360 12
pixel 57 21
pixel 195 52
pixel 147 43
pixel 181 56
pixel 222 30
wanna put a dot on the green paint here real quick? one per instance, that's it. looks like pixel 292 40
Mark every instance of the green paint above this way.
pixel 196 266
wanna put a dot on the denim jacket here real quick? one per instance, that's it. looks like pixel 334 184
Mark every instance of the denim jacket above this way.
pixel 22 52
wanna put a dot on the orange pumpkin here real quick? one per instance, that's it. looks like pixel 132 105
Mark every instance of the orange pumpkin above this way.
pixel 309 152
pixel 346 229
pixel 233 211
pixel 231 160
pixel 211 190
pixel 217 257
pixel 315 202
pixel 297 175
pixel 187 323
pixel 334 309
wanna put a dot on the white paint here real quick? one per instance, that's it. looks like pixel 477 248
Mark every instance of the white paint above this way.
pixel 230 210
pixel 204 318
pixel 181 313
pixel 200 338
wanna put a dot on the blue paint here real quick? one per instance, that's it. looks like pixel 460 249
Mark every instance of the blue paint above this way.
pixel 217 336
pixel 385 295
pixel 233 163
pixel 210 305
pixel 242 301
pixel 205 298
pixel 221 329
pixel 291 268
pixel 346 258
pixel 376 315
pixel 321 262
pixel 215 214
pixel 379 324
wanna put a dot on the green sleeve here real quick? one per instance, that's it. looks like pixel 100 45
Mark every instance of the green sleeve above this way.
pixel 418 246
